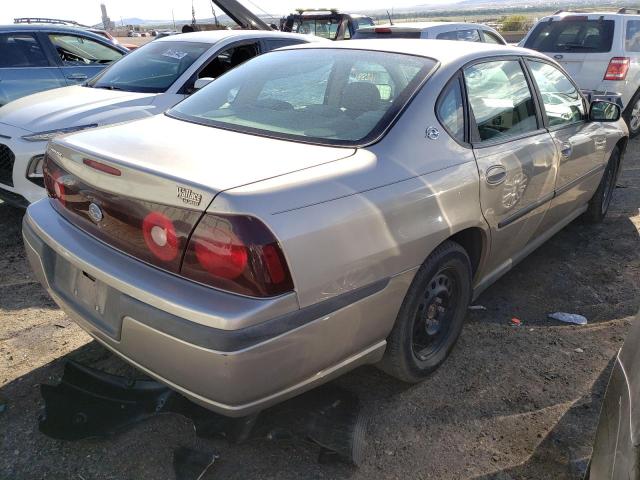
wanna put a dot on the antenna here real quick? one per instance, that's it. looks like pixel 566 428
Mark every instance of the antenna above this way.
pixel 193 14
pixel 390 19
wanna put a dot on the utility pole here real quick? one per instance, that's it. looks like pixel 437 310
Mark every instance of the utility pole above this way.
pixel 215 17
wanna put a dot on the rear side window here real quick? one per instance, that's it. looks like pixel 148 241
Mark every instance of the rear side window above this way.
pixel 19 50
pixel 451 110
pixel 632 36
pixel 491 38
pixel 470 35
pixel 572 36
pixel 500 99
pixel 77 51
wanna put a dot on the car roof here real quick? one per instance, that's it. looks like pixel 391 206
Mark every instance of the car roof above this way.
pixel 55 28
pixel 214 36
pixel 425 25
pixel 595 15
pixel 443 51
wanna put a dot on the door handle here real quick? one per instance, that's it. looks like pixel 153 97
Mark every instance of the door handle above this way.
pixel 496 174
pixel 77 76
pixel 566 150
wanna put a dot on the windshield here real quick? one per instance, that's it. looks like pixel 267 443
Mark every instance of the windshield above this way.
pixel 326 96
pixel 579 35
pixel 152 68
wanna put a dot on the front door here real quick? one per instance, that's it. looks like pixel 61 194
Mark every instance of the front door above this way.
pixel 82 57
pixel 581 144
pixel 25 67
pixel 516 156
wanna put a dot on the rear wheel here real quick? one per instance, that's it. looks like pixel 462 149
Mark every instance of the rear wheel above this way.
pixel 601 200
pixel 431 316
pixel 631 115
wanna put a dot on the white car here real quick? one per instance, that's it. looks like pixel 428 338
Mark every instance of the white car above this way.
pixel 600 50
pixel 468 32
pixel 144 83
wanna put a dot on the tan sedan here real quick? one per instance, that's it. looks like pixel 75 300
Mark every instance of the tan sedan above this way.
pixel 316 209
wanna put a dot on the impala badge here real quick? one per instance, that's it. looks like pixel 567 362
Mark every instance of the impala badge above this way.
pixel 189 196
pixel 95 212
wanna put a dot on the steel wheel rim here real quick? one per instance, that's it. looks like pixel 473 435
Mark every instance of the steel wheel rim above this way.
pixel 634 120
pixel 434 317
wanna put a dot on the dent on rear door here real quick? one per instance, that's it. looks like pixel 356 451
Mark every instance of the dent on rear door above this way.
pixel 516 158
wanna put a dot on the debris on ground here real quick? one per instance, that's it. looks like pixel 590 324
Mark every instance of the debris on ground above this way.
pixel 569 318
pixel 477 307
pixel 579 350
pixel 91 403
pixel 190 464
pixel 516 322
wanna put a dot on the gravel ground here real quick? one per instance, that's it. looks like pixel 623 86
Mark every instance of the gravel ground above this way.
pixel 510 403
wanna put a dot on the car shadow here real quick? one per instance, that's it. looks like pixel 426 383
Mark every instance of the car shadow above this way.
pixel 565 451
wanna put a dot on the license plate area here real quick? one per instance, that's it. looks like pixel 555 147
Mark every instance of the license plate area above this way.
pixel 92 299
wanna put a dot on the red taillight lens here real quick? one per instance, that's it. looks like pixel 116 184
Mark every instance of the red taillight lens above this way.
pixel 382 30
pixel 238 254
pixel 53 180
pixel 159 234
pixel 617 69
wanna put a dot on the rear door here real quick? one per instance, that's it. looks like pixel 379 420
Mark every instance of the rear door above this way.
pixel 582 44
pixel 82 57
pixel 516 156
pixel 25 67
pixel 581 144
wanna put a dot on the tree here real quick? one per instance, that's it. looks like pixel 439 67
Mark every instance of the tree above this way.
pixel 514 23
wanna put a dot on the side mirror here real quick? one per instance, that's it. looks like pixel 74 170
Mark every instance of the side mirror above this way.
pixel 601 111
pixel 202 82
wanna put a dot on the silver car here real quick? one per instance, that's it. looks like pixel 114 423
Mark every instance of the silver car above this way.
pixel 318 208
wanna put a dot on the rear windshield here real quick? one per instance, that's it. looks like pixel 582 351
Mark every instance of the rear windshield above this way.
pixel 372 33
pixel 152 68
pixel 326 96
pixel 572 36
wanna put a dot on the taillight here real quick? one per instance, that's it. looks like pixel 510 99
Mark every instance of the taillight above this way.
pixel 617 69
pixel 239 254
pixel 382 30
pixel 53 180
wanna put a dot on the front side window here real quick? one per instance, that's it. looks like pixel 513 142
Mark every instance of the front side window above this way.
pixel 500 99
pixel 460 35
pixel 20 50
pixel 75 50
pixel 580 35
pixel 562 102
pixel 451 110
pixel 632 36
pixel 335 97
pixel 152 68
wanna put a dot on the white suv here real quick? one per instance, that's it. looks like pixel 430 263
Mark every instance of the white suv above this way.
pixel 601 50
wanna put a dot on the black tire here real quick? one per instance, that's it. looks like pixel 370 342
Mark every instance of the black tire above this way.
pixel 431 316
pixel 601 200
pixel 631 115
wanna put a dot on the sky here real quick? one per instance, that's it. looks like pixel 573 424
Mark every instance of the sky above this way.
pixel 88 11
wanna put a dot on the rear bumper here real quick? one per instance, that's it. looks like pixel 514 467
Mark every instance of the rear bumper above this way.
pixel 232 354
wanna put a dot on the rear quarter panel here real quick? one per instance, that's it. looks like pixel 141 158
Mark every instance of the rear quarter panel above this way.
pixel 374 215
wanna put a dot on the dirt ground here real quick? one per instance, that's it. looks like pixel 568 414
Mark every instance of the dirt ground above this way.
pixel 511 402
